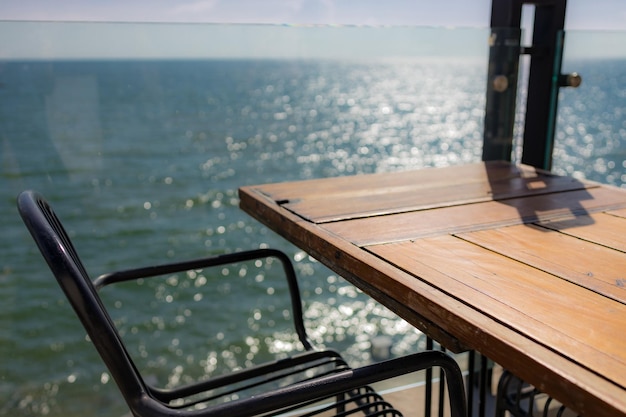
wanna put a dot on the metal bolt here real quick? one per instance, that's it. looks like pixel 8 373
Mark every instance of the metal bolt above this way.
pixel 500 83
pixel 573 80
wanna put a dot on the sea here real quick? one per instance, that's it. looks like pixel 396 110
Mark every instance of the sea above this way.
pixel 142 159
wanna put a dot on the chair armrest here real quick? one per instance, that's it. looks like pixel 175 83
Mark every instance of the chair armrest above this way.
pixel 175 267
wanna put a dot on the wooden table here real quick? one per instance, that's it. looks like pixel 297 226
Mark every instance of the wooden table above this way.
pixel 523 266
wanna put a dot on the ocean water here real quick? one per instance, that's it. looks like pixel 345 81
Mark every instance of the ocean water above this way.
pixel 142 161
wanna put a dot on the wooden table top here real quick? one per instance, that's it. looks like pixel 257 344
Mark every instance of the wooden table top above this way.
pixel 526 267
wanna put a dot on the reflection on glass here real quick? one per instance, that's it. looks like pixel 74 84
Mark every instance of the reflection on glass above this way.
pixel 591 132
pixel 140 135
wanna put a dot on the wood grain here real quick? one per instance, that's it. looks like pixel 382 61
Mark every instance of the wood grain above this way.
pixel 602 228
pixel 592 265
pixel 585 327
pixel 469 217
pixel 342 198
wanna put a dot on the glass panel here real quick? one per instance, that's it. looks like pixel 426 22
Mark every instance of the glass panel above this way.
pixel 140 135
pixel 590 140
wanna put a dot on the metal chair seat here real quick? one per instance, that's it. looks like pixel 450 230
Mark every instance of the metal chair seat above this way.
pixel 312 381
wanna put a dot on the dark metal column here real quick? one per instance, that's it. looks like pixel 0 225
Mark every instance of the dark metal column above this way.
pixel 504 51
pixel 543 84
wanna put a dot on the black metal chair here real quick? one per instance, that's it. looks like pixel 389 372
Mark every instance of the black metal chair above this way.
pixel 304 379
pixel 520 399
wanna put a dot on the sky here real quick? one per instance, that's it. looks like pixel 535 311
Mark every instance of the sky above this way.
pixel 582 14
pixel 290 36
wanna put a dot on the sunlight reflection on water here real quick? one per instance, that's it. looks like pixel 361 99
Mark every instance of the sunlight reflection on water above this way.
pixel 174 142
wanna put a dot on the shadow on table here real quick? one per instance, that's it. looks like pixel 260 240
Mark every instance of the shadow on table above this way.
pixel 540 196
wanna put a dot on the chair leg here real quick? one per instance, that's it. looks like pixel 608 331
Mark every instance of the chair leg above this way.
pixel 441 397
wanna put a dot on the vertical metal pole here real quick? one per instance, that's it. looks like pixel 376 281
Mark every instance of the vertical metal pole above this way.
pixel 502 73
pixel 471 380
pixel 428 400
pixel 543 84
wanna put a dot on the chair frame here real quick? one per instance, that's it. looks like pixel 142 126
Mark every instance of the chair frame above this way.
pixel 144 400
pixel 518 398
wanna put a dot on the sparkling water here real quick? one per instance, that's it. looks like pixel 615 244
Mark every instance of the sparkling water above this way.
pixel 142 161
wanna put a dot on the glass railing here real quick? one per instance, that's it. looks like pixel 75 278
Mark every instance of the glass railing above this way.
pixel 590 141
pixel 140 135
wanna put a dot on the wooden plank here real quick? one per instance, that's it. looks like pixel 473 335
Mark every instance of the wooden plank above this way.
pixel 585 327
pixel 618 213
pixel 589 265
pixel 607 228
pixel 471 217
pixel 403 200
pixel 356 185
pixel 333 199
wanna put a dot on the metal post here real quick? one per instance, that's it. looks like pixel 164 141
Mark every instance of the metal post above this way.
pixel 543 84
pixel 504 44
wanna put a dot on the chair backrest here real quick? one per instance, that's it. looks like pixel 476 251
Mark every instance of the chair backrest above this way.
pixel 63 260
